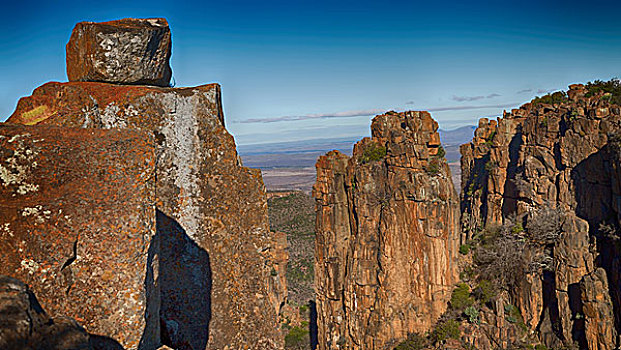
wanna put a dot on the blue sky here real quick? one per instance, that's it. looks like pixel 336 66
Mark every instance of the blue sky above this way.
pixel 295 70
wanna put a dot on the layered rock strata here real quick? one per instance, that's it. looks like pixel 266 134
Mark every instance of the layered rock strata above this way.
pixel 126 51
pixel 560 156
pixel 387 235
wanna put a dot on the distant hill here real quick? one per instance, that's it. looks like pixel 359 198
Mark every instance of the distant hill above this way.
pixel 457 136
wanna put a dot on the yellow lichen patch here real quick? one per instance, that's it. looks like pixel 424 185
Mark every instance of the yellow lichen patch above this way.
pixel 35 115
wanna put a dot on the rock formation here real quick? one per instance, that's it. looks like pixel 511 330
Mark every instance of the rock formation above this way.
pixel 387 235
pixel 558 154
pixel 26 326
pixel 127 51
pixel 210 261
pixel 78 221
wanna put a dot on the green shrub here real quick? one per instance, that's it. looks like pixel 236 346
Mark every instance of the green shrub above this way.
pixel 473 314
pixel 296 336
pixel 489 166
pixel 541 347
pixel 441 152
pixel 517 228
pixel 485 291
pixel 467 274
pixel 433 168
pixel 464 249
pixel 470 191
pixel 553 98
pixel 490 139
pixel 446 330
pixel 414 341
pixel 610 89
pixel 460 298
pixel 513 315
pixel 373 152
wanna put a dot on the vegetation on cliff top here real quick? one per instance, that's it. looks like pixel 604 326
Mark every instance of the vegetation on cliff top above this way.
pixel 372 153
pixel 610 89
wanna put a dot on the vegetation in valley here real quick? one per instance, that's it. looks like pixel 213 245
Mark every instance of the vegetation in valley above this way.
pixel 294 214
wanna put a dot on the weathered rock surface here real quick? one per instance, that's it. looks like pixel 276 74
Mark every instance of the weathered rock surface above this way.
pixel 387 235
pixel 126 51
pixel 562 156
pixel 217 254
pixel 78 222
pixel 24 325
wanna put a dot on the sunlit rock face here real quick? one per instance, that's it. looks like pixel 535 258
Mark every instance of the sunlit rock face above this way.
pixel 387 235
pixel 565 156
pixel 214 256
pixel 126 51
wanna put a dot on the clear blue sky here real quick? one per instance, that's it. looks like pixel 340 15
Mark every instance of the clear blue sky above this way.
pixel 317 69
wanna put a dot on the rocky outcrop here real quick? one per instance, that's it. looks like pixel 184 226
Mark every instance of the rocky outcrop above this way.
pixel 554 155
pixel 127 51
pixel 387 235
pixel 78 223
pixel 24 325
pixel 206 247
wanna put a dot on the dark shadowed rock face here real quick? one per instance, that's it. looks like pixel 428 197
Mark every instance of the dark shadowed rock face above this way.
pixel 387 234
pixel 24 325
pixel 216 258
pixel 127 51
pixel 78 222
pixel 563 156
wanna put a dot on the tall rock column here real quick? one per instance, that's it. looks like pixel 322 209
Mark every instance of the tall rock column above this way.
pixel 387 235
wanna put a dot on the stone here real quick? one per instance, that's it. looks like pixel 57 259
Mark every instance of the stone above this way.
pixel 78 225
pixel 126 51
pixel 563 157
pixel 387 235
pixel 598 311
pixel 24 325
pixel 216 253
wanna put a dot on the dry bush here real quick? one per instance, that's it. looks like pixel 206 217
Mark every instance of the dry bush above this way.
pixel 500 257
pixel 544 226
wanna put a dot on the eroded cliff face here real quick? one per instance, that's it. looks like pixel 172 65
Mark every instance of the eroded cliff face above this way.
pixel 190 225
pixel 387 235
pixel 562 157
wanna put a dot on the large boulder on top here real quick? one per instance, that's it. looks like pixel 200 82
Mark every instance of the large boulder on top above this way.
pixel 126 51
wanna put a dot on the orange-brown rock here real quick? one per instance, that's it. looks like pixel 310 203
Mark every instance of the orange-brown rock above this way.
pixel 78 224
pixel 217 255
pixel 563 156
pixel 126 51
pixel 387 235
